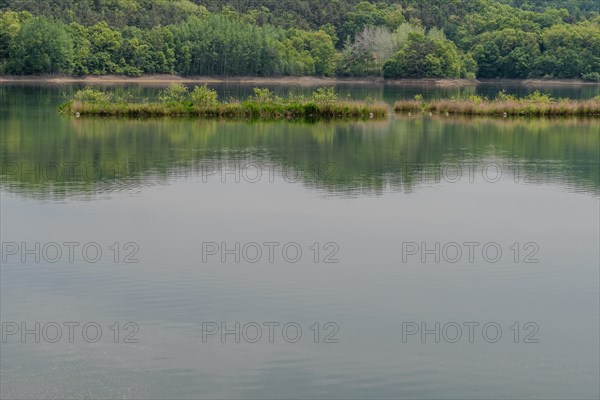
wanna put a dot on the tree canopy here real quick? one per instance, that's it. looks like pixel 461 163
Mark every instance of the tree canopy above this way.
pixel 390 38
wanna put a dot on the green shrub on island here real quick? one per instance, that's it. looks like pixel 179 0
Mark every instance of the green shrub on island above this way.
pixel 263 95
pixel 89 95
pixel 174 93
pixel 325 95
pixel 203 95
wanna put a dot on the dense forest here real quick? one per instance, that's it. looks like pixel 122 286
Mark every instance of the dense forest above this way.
pixel 389 38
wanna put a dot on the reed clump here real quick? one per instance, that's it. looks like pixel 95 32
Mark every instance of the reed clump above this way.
pixel 177 101
pixel 534 105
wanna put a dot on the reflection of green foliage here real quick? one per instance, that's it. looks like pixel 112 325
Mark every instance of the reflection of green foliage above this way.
pixel 366 156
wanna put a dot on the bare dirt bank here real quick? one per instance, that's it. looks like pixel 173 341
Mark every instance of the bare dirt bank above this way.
pixel 301 81
pixel 541 82
pixel 166 79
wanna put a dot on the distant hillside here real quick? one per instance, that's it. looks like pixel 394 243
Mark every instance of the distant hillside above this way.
pixel 394 39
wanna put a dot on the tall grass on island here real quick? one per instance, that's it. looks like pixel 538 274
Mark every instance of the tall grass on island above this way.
pixel 177 101
pixel 534 105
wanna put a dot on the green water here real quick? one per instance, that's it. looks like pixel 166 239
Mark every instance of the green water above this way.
pixel 164 188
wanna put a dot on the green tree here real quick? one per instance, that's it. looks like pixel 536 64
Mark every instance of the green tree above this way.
pixel 426 56
pixel 81 48
pixel 105 45
pixel 10 26
pixel 323 52
pixel 500 38
pixel 508 53
pixel 44 46
pixel 570 51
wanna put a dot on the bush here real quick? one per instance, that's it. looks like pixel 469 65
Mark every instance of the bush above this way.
pixel 325 95
pixel 262 95
pixel 121 95
pixel 476 99
pixel 89 95
pixel 503 96
pixel 174 93
pixel 538 97
pixel 202 95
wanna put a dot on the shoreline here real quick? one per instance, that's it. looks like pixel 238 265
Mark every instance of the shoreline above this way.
pixel 300 81
pixel 284 80
pixel 541 82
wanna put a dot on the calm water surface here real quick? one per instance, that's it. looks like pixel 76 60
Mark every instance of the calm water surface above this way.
pixel 384 214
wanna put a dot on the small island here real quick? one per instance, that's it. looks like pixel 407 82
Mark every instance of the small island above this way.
pixel 324 103
pixel 504 105
pixel 177 101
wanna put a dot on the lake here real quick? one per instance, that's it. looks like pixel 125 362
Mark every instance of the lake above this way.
pixel 414 257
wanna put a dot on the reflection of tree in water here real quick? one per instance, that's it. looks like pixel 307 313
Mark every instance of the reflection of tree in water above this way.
pixel 347 158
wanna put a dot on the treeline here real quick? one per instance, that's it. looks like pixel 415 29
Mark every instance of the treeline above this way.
pixel 211 44
pixel 394 39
